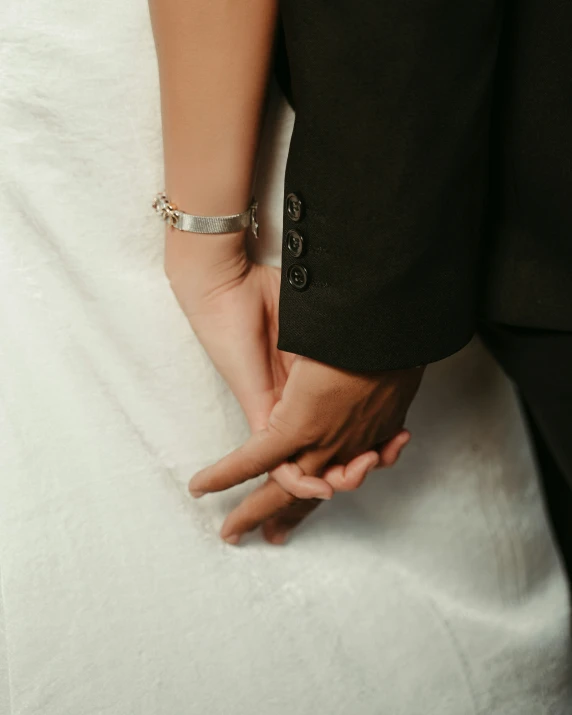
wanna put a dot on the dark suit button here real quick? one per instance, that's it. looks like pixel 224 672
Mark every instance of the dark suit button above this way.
pixel 294 243
pixel 294 207
pixel 298 276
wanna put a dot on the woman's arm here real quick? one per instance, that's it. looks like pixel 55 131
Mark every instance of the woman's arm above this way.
pixel 214 57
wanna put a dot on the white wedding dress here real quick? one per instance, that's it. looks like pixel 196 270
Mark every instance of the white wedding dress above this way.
pixel 434 589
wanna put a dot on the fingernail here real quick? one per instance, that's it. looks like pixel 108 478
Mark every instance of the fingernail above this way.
pixel 316 489
pixel 280 537
pixel 372 465
pixel 196 493
pixel 232 539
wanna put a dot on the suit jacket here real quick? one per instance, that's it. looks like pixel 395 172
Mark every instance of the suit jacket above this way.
pixel 429 178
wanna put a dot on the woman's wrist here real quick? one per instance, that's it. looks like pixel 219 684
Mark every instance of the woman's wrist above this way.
pixel 208 261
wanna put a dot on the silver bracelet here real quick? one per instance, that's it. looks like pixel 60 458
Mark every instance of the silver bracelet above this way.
pixel 206 224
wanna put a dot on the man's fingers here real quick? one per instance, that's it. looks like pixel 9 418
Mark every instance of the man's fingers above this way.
pixel 262 503
pixel 390 452
pixel 261 453
pixel 279 512
pixel 351 476
pixel 277 528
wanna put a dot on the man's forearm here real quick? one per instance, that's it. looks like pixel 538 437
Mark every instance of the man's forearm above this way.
pixel 387 176
pixel 213 60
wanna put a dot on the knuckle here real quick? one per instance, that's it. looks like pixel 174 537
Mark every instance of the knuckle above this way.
pixel 302 432
pixel 281 424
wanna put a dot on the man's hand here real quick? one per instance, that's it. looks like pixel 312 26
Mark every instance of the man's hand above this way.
pixel 325 418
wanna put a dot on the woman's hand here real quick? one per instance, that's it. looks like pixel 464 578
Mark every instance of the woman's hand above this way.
pixel 231 304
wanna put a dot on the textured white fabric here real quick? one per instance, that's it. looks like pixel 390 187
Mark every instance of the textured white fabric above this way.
pixel 435 589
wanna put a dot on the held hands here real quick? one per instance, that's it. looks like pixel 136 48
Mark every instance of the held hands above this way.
pixel 316 429
pixel 326 419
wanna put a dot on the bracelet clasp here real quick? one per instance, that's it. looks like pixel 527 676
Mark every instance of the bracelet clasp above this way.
pixel 254 218
pixel 168 212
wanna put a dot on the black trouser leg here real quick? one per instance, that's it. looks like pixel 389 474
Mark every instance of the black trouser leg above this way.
pixel 558 495
pixel 540 364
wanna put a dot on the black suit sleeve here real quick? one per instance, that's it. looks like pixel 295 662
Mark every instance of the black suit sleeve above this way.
pixel 389 161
